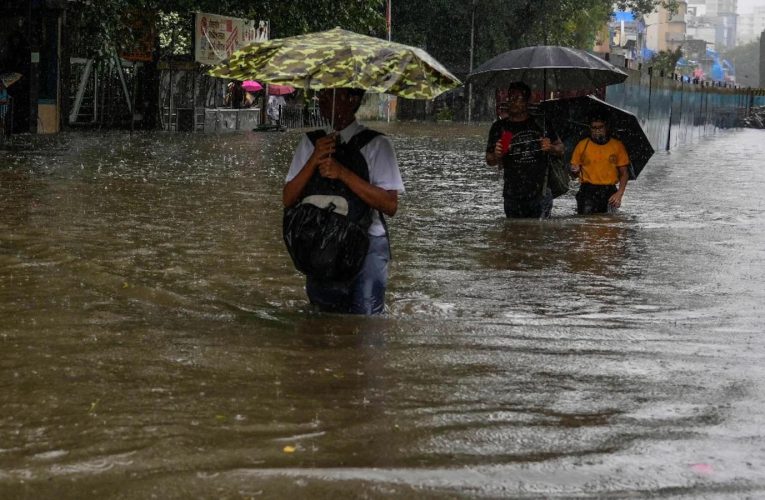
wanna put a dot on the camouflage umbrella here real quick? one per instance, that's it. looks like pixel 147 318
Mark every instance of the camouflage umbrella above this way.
pixel 338 58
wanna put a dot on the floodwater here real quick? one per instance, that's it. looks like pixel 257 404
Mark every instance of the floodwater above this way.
pixel 155 340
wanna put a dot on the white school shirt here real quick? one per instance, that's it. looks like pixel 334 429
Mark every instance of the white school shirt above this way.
pixel 380 158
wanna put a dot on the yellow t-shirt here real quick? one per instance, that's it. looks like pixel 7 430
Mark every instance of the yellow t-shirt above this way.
pixel 600 163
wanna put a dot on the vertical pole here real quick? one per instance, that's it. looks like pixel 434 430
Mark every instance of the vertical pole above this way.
pixel 669 129
pixel 263 115
pixel 96 93
pixel 169 93
pixel 650 81
pixel 544 71
pixel 121 76
pixel 195 75
pixel 472 44
pixel 750 104
pixel 132 110
pixel 680 118
pixel 388 22
pixel 35 27
pixel 388 14
pixel 701 107
pixel 706 110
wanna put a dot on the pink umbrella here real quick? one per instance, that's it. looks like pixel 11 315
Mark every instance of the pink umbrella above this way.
pixel 251 86
pixel 280 89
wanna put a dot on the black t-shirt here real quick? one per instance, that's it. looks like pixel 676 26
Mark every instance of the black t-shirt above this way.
pixel 524 165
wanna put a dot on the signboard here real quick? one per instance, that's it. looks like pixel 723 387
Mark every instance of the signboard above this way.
pixel 216 37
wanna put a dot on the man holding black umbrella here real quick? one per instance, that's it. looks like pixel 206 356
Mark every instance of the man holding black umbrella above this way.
pixel 521 147
pixel 600 161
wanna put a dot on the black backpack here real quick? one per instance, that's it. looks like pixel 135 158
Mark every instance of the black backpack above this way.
pixel 326 232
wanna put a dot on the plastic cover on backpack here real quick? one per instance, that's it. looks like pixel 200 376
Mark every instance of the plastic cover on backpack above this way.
pixel 324 244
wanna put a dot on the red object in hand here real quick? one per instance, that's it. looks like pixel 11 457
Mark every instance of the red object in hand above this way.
pixel 507 138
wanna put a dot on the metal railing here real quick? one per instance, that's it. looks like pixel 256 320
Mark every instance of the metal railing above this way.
pixel 675 111
pixel 298 116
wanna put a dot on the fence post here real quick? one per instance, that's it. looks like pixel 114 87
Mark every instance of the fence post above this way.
pixel 669 129
pixel 650 81
pixel 680 111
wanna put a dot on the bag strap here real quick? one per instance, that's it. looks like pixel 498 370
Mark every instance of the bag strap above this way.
pixel 581 154
pixel 364 137
pixel 543 130
pixel 359 140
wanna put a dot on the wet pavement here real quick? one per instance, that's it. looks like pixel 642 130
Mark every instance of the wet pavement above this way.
pixel 156 340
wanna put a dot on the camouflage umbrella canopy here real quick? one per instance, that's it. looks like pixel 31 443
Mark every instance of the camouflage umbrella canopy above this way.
pixel 338 58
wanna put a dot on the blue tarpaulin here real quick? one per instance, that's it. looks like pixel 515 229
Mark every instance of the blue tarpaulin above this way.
pixel 627 17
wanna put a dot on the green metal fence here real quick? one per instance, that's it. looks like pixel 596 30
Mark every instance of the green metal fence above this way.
pixel 676 111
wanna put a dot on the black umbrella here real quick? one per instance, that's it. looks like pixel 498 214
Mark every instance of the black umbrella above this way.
pixel 571 120
pixel 548 68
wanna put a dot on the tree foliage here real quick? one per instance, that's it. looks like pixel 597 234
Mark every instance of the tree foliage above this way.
pixel 746 59
pixel 665 61
pixel 98 26
pixel 440 26
pixel 443 27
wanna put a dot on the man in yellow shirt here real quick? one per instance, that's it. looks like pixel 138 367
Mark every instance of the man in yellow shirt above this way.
pixel 600 161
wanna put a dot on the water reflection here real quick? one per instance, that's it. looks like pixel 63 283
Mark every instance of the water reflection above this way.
pixel 599 245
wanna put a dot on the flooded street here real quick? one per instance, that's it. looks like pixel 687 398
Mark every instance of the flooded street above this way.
pixel 155 338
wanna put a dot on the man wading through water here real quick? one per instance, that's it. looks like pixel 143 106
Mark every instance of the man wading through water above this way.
pixel 351 170
pixel 600 161
pixel 521 148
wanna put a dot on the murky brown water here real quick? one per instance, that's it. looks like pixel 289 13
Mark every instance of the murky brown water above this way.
pixel 155 339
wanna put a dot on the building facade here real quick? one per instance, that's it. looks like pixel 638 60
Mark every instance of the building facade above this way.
pixel 664 30
pixel 720 15
pixel 751 25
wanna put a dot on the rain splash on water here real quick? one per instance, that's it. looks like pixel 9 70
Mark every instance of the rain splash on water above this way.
pixel 157 340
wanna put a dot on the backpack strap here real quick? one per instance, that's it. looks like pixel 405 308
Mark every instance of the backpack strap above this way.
pixel 359 140
pixel 364 137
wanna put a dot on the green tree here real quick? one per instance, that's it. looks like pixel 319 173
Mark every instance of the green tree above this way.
pixel 666 61
pixel 99 27
pixel 443 27
pixel 746 60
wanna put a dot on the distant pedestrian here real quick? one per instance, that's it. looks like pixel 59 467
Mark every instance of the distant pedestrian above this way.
pixel 274 108
pixel 234 97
